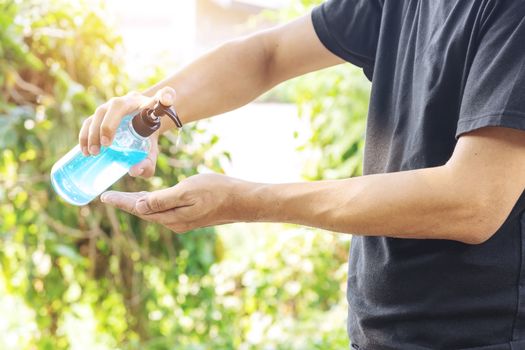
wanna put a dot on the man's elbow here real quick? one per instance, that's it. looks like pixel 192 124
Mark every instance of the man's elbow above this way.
pixel 484 218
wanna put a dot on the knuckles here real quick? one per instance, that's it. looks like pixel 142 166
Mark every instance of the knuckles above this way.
pixel 87 121
pixel 100 110
pixel 154 204
pixel 105 129
pixel 133 94
pixel 117 102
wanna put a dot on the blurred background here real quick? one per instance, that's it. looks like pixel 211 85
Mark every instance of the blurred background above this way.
pixel 94 278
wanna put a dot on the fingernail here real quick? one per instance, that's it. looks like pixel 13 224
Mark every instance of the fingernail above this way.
pixel 167 99
pixel 94 149
pixel 85 151
pixel 106 197
pixel 136 173
pixel 142 206
pixel 105 141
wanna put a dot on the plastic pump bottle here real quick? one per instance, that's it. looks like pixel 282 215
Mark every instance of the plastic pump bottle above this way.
pixel 79 179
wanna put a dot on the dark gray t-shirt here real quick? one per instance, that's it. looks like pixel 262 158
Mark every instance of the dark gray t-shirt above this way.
pixel 439 69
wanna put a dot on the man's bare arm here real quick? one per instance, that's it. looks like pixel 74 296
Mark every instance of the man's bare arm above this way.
pixel 466 200
pixel 224 79
pixel 241 70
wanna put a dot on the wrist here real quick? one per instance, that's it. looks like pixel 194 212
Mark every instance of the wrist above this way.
pixel 178 105
pixel 288 203
pixel 251 201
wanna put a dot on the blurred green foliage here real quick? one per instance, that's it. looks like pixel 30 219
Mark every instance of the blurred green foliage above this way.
pixel 335 100
pixel 58 61
pixel 95 275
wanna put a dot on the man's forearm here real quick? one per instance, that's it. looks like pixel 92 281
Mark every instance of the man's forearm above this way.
pixel 241 70
pixel 427 203
pixel 224 79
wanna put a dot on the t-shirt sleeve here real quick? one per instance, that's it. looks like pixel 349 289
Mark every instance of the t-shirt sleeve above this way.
pixel 350 30
pixel 494 93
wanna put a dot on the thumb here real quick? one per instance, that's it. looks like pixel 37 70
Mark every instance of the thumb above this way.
pixel 166 96
pixel 157 201
pixel 146 168
pixel 122 200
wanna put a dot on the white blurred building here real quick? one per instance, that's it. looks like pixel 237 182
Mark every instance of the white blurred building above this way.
pixel 168 32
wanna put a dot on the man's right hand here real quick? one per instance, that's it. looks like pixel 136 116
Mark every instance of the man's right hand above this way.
pixel 99 129
pixel 224 79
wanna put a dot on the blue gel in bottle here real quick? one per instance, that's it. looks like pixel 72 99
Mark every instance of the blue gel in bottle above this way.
pixel 79 179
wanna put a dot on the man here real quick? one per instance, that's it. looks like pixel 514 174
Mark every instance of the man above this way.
pixel 438 256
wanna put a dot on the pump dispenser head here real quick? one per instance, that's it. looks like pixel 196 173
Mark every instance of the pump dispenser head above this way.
pixel 147 121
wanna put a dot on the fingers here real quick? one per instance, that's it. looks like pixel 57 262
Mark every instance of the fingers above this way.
pixel 177 219
pixel 146 168
pixel 93 134
pixel 135 202
pixel 166 96
pixel 109 123
pixel 138 169
pixel 104 123
pixel 148 165
pixel 122 200
pixel 99 129
pixel 158 201
pixel 83 136
pixel 118 108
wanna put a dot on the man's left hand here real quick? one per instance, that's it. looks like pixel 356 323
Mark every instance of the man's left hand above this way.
pixel 199 201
